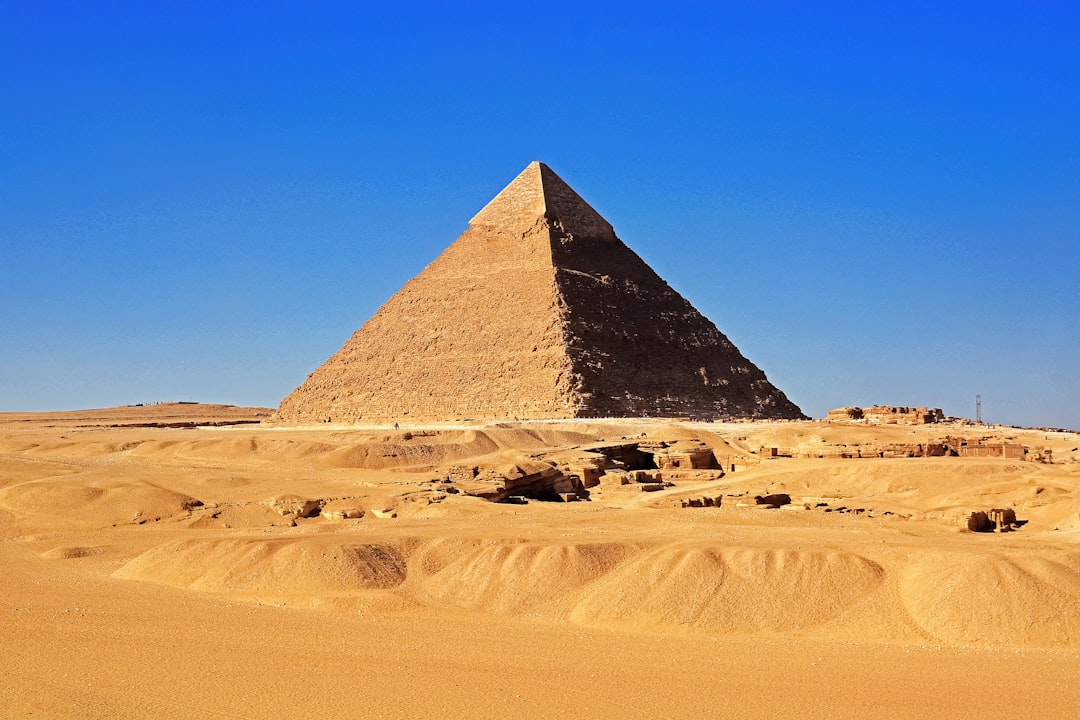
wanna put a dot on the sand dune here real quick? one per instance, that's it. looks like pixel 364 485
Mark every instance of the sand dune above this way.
pixel 94 502
pixel 963 598
pixel 725 590
pixel 512 578
pixel 1020 600
pixel 278 567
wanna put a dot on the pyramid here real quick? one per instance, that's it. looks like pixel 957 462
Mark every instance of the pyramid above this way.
pixel 537 311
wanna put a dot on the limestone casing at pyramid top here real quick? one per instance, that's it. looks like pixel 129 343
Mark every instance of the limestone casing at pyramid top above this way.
pixel 536 195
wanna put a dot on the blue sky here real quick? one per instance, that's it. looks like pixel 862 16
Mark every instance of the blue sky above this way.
pixel 878 203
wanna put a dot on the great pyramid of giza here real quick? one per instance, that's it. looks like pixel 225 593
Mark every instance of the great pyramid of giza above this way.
pixel 537 311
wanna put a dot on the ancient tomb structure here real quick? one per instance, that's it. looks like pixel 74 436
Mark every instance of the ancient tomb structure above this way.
pixel 537 311
pixel 889 414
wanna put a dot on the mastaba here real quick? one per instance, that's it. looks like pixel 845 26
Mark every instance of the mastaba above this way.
pixel 537 311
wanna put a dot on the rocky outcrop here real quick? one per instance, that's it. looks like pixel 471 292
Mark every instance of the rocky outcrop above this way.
pixel 300 507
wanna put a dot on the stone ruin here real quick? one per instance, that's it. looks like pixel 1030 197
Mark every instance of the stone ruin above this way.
pixel 889 414
pixel 537 311
pixel 949 446
pixel 980 448
pixel 995 520
pixel 571 474
pixel 845 413
pixel 701 502
pixel 685 455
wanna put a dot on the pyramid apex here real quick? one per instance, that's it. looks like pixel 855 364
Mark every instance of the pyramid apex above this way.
pixel 538 194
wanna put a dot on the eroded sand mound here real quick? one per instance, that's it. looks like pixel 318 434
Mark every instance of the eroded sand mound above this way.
pixel 367 450
pixel 72 552
pixel 729 590
pixel 931 482
pixel 510 577
pixel 954 597
pixel 716 589
pixel 245 566
pixel 79 502
pixel 967 598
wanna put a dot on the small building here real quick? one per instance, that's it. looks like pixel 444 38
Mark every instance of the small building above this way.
pixel 1015 451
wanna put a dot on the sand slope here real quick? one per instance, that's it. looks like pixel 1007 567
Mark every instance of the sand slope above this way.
pixel 730 589
pixel 984 598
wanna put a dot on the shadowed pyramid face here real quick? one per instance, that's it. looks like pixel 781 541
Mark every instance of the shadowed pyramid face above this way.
pixel 537 311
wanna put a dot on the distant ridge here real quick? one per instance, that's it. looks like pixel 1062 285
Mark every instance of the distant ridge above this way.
pixel 538 310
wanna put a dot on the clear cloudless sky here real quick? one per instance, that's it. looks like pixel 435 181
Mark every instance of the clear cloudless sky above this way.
pixel 877 202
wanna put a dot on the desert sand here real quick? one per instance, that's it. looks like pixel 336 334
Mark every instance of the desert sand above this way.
pixel 157 564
